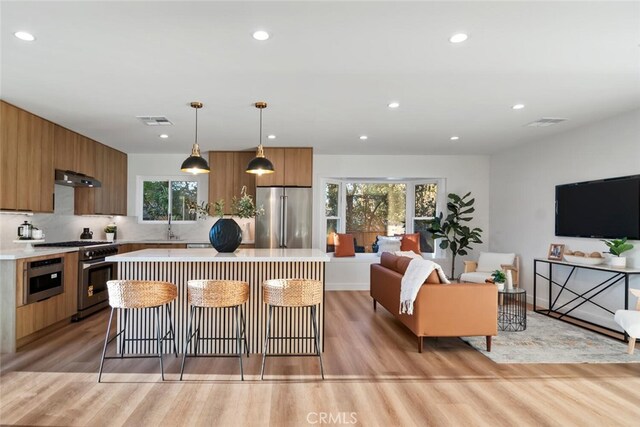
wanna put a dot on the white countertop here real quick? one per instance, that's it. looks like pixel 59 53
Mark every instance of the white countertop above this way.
pixel 211 255
pixel 19 253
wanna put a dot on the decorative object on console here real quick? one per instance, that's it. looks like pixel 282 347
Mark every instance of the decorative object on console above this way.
pixel 260 165
pixel 344 244
pixel 488 262
pixel 110 231
pixel 579 257
pixel 617 247
pixel 556 251
pixel 452 233
pixel 195 163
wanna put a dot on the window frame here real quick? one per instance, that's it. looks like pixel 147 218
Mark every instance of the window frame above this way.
pixel 410 217
pixel 140 179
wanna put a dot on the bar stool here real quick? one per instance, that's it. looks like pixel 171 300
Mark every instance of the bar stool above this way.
pixel 140 294
pixel 206 294
pixel 292 293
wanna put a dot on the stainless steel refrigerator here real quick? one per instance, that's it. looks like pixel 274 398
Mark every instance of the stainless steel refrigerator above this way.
pixel 287 219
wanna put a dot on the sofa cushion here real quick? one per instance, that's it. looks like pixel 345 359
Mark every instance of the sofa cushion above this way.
pixel 410 242
pixel 475 277
pixel 491 261
pixel 344 245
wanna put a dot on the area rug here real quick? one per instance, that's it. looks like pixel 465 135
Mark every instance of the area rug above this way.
pixel 548 340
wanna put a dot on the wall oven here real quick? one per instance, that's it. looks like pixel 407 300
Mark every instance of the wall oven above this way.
pixel 44 279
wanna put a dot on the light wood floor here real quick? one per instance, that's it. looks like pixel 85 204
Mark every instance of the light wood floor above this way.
pixel 373 370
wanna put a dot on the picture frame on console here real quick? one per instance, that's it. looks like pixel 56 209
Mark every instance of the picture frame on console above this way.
pixel 556 252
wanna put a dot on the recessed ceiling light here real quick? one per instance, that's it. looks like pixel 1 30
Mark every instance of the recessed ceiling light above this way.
pixel 454 138
pixel 23 35
pixel 271 136
pixel 518 107
pixel 394 105
pixel 261 35
pixel 458 38
pixel 363 137
pixel 164 136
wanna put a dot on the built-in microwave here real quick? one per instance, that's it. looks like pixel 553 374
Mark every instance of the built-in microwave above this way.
pixel 44 279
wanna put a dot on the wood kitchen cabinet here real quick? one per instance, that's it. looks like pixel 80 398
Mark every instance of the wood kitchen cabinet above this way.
pixel 26 156
pixel 39 318
pixel 228 176
pixel 111 198
pixel 293 168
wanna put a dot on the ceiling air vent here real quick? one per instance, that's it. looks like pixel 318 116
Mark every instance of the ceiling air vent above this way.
pixel 154 120
pixel 546 122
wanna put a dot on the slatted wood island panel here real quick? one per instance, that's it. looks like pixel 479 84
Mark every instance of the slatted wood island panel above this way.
pixel 253 266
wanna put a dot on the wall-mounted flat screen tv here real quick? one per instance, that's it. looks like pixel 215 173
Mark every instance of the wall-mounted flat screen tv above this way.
pixel 607 208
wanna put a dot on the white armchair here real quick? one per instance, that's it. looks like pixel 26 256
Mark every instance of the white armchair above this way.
pixel 630 321
pixel 488 262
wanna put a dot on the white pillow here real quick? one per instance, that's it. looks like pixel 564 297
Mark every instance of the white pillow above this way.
pixel 387 238
pixel 388 246
pixel 408 254
pixel 491 261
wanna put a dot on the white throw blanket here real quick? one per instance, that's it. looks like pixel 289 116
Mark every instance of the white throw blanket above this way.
pixel 417 272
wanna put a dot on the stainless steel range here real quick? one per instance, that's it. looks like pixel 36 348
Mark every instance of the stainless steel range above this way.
pixel 93 274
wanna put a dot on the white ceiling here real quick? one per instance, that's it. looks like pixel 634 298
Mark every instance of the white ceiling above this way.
pixel 328 71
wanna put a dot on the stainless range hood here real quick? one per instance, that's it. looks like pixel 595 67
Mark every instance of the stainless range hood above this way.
pixel 75 179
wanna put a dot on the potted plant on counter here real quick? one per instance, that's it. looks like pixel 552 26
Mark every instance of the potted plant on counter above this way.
pixel 616 248
pixel 225 234
pixel 110 231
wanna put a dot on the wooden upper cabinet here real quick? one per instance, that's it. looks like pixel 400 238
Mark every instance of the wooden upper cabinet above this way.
pixel 228 176
pixel 65 149
pixel 293 168
pixel 26 153
pixel 85 155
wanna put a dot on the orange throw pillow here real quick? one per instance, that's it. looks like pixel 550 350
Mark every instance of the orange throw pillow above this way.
pixel 410 242
pixel 344 244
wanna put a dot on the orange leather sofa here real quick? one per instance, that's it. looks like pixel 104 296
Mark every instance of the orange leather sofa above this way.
pixel 440 310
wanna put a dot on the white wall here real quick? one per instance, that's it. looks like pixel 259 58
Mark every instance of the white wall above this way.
pixel 461 174
pixel 523 182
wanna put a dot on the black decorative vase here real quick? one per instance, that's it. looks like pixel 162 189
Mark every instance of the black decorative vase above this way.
pixel 225 235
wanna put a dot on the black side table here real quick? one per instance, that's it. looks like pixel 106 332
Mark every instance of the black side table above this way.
pixel 512 310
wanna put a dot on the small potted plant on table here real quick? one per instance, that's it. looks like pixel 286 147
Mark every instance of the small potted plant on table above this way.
pixel 616 248
pixel 499 278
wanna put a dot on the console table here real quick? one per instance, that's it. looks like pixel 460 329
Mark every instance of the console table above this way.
pixel 562 312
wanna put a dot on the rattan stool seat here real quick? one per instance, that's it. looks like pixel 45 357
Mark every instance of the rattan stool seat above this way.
pixel 140 293
pixel 292 292
pixel 217 293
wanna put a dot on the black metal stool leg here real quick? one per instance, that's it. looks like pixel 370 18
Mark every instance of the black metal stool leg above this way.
pixel 159 340
pixel 124 333
pixel 239 341
pixel 317 338
pixel 106 340
pixel 200 312
pixel 189 336
pixel 244 330
pixel 266 342
pixel 173 334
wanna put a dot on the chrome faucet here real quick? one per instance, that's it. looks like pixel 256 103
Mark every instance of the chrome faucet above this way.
pixel 170 235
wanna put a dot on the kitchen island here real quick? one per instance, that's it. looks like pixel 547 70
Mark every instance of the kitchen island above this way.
pixel 253 266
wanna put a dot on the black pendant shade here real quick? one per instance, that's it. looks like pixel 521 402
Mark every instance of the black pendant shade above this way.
pixel 260 165
pixel 195 163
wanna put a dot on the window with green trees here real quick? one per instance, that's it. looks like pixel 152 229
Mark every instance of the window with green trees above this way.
pixel 369 208
pixel 161 197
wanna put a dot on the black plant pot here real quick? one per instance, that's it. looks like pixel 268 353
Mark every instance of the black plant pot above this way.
pixel 225 235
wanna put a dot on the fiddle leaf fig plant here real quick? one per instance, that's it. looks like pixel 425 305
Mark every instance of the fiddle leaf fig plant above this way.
pixel 618 246
pixel 451 230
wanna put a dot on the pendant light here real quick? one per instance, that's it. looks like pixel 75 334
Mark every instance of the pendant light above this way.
pixel 260 165
pixel 195 164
